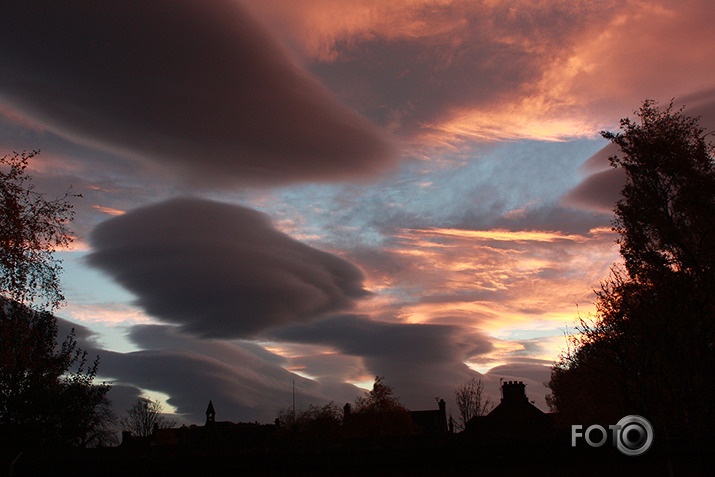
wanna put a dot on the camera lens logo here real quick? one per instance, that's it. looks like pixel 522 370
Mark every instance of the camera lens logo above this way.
pixel 633 435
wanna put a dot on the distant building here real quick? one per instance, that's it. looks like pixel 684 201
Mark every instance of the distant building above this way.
pixel 432 422
pixel 213 433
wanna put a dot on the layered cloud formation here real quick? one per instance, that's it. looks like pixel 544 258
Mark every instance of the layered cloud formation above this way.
pixel 221 270
pixel 244 381
pixel 426 359
pixel 477 251
pixel 204 90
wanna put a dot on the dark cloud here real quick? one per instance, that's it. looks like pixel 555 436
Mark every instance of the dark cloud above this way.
pixel 248 382
pixel 331 366
pixel 420 361
pixel 360 336
pixel 408 83
pixel 121 395
pixel 243 385
pixel 599 161
pixel 245 381
pixel 601 187
pixel 203 89
pixel 220 270
pixel 562 216
pixel 599 191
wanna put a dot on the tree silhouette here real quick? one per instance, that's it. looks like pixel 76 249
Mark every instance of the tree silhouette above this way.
pixel 666 217
pixel 47 394
pixel 649 348
pixel 471 401
pixel 378 400
pixel 318 421
pixel 144 416
pixel 47 391
pixel 379 413
pixel 376 413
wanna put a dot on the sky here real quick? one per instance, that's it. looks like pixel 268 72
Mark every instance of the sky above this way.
pixel 319 192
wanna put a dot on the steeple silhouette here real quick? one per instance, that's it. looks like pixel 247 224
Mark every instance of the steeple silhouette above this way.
pixel 210 414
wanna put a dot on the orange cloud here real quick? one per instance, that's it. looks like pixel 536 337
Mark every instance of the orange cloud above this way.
pixel 501 235
pixel 580 66
pixel 496 281
pixel 640 50
pixel 108 210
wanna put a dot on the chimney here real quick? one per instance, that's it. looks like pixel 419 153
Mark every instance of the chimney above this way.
pixel 443 416
pixel 513 392
pixel 346 410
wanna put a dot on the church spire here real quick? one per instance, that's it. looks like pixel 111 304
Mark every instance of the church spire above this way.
pixel 210 414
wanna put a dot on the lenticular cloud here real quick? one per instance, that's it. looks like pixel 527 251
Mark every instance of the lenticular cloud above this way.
pixel 221 270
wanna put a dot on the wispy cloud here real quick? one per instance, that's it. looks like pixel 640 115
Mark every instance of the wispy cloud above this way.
pixel 496 234
pixel 492 279
pixel 108 210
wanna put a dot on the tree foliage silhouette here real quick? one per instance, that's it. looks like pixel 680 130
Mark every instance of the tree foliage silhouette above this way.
pixel 649 348
pixel 31 227
pixel 144 416
pixel 47 394
pixel 380 399
pixel 379 412
pixel 318 421
pixel 666 217
pixel 47 391
pixel 376 413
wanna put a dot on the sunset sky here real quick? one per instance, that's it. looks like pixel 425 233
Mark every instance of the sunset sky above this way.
pixel 326 191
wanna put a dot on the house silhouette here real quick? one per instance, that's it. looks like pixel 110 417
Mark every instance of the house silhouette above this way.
pixel 433 421
pixel 514 415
